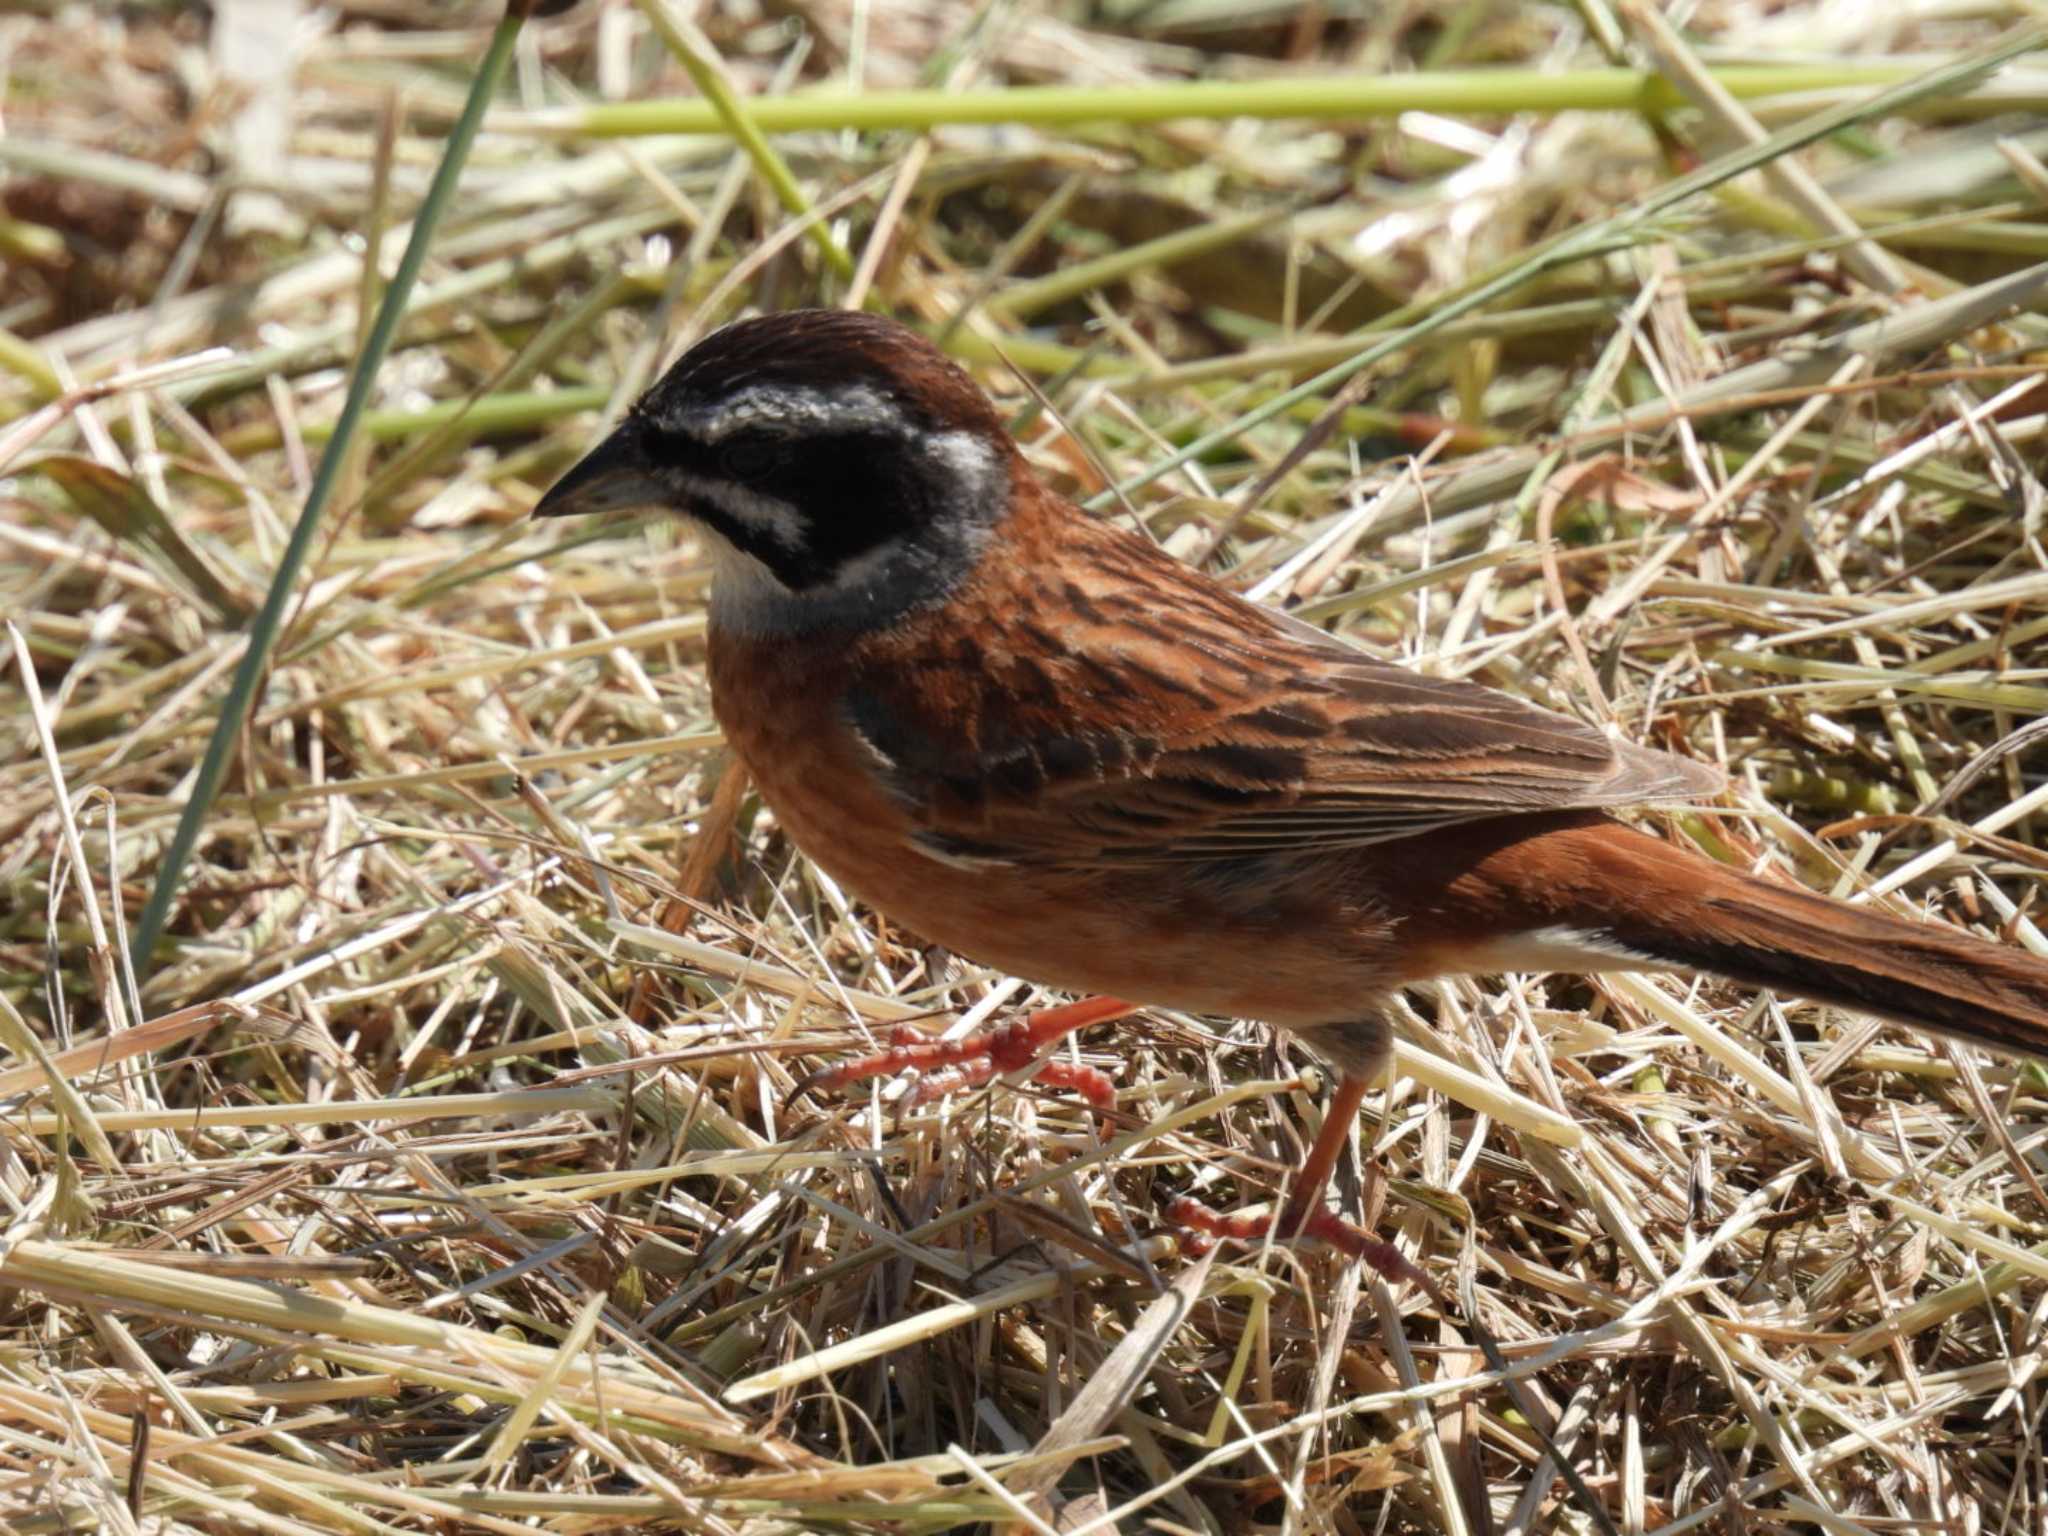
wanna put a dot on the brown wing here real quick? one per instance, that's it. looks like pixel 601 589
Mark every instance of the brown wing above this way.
pixel 1141 712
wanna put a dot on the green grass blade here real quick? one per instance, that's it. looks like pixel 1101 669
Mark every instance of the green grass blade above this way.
pixel 1348 97
pixel 694 52
pixel 263 633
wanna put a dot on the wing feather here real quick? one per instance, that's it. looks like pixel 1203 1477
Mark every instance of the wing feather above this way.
pixel 1152 716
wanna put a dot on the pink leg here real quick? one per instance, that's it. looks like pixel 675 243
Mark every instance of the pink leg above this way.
pixel 1305 1215
pixel 952 1065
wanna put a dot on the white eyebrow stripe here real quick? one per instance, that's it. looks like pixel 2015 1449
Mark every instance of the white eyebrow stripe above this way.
pixel 847 408
pixel 971 461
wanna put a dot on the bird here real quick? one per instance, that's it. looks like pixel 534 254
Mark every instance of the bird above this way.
pixel 1035 738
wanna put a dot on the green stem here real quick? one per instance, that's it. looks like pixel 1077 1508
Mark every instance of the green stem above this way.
pixel 1468 92
pixel 1035 294
pixel 283 586
pixel 694 51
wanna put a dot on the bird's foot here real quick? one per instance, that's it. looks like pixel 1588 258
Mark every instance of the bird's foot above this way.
pixel 1316 1226
pixel 950 1066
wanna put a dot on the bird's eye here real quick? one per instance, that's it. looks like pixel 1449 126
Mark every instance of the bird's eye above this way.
pixel 752 455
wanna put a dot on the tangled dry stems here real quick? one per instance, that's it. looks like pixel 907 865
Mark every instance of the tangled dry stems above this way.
pixel 442 1171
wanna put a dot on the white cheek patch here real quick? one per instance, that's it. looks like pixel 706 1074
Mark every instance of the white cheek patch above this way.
pixel 767 515
pixel 976 471
pixel 852 408
pixel 963 474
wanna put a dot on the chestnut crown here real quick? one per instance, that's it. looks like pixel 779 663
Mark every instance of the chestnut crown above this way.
pixel 841 453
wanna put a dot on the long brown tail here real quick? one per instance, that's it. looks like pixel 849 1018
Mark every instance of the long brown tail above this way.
pixel 1624 891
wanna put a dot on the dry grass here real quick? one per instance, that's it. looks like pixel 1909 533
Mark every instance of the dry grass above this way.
pixel 438 1175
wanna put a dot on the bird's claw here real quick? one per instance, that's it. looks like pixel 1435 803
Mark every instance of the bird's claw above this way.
pixel 1207 1225
pixel 951 1066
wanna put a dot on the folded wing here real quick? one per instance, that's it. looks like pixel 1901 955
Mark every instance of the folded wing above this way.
pixel 1091 729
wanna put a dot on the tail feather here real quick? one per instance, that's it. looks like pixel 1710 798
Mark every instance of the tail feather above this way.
pixel 1681 910
pixel 1914 973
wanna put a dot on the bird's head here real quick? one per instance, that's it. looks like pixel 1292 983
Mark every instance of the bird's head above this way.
pixel 843 466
